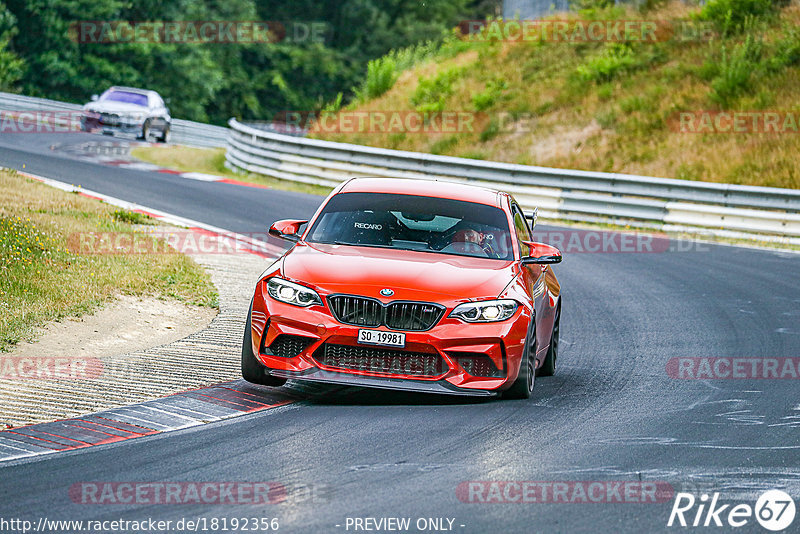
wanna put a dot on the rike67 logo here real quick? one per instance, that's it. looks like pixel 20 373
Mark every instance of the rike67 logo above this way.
pixel 774 510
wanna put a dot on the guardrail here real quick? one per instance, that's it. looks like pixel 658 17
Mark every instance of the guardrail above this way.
pixel 183 132
pixel 668 204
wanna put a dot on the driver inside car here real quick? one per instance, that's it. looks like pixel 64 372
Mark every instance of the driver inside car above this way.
pixel 468 236
pixel 467 241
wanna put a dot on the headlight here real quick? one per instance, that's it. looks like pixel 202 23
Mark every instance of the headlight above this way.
pixel 291 293
pixel 488 311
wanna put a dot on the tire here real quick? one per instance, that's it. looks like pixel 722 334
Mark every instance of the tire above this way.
pixel 164 136
pixel 548 368
pixel 145 131
pixel 522 388
pixel 252 370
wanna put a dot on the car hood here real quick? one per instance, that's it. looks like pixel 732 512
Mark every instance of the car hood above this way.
pixel 411 275
pixel 114 107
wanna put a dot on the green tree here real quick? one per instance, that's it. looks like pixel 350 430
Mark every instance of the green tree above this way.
pixel 11 66
pixel 210 81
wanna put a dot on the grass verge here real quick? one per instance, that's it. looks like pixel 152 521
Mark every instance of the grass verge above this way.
pixel 212 161
pixel 41 280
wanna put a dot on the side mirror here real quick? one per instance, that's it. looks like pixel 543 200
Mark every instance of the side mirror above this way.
pixel 287 229
pixel 541 254
pixel 95 98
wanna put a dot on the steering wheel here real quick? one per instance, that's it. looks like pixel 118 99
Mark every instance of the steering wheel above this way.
pixel 488 245
pixel 445 239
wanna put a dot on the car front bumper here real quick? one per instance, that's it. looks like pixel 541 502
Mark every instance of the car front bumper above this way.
pixel 453 357
pixel 96 123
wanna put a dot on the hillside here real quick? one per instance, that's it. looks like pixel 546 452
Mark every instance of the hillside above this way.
pixel 607 106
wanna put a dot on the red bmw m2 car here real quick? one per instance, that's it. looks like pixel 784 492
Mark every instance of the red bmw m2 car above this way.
pixel 409 285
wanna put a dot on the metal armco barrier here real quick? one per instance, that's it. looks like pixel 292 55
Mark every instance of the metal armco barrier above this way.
pixel 183 132
pixel 669 204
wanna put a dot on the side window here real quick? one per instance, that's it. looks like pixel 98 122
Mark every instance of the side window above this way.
pixel 521 227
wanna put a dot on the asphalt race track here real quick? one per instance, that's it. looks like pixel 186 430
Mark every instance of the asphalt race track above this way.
pixel 611 413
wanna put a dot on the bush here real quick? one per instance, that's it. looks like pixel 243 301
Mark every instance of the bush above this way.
pixel 730 16
pixel 431 93
pixel 787 51
pixel 407 58
pixel 491 131
pixel 442 146
pixel 735 71
pixel 634 103
pixel 487 98
pixel 591 4
pixel 334 106
pixel 615 58
pixel 382 73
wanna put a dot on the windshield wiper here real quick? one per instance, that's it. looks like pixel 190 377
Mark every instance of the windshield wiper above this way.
pixel 410 249
pixel 359 244
pixel 371 245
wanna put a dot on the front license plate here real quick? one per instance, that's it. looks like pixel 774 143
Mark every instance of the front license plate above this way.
pixel 379 337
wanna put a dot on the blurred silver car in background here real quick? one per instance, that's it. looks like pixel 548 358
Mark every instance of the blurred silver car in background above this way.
pixel 130 111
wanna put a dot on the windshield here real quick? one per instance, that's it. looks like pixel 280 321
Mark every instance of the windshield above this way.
pixel 126 97
pixel 410 222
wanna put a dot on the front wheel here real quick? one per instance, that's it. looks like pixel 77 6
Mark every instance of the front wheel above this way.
pixel 145 133
pixel 522 388
pixel 164 135
pixel 252 370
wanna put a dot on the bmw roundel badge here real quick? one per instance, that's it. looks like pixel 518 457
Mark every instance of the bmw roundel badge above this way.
pixel 387 292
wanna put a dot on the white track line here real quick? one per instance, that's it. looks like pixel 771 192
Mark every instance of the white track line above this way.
pixel 201 176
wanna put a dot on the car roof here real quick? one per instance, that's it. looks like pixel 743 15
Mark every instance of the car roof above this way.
pixel 131 90
pixel 428 188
